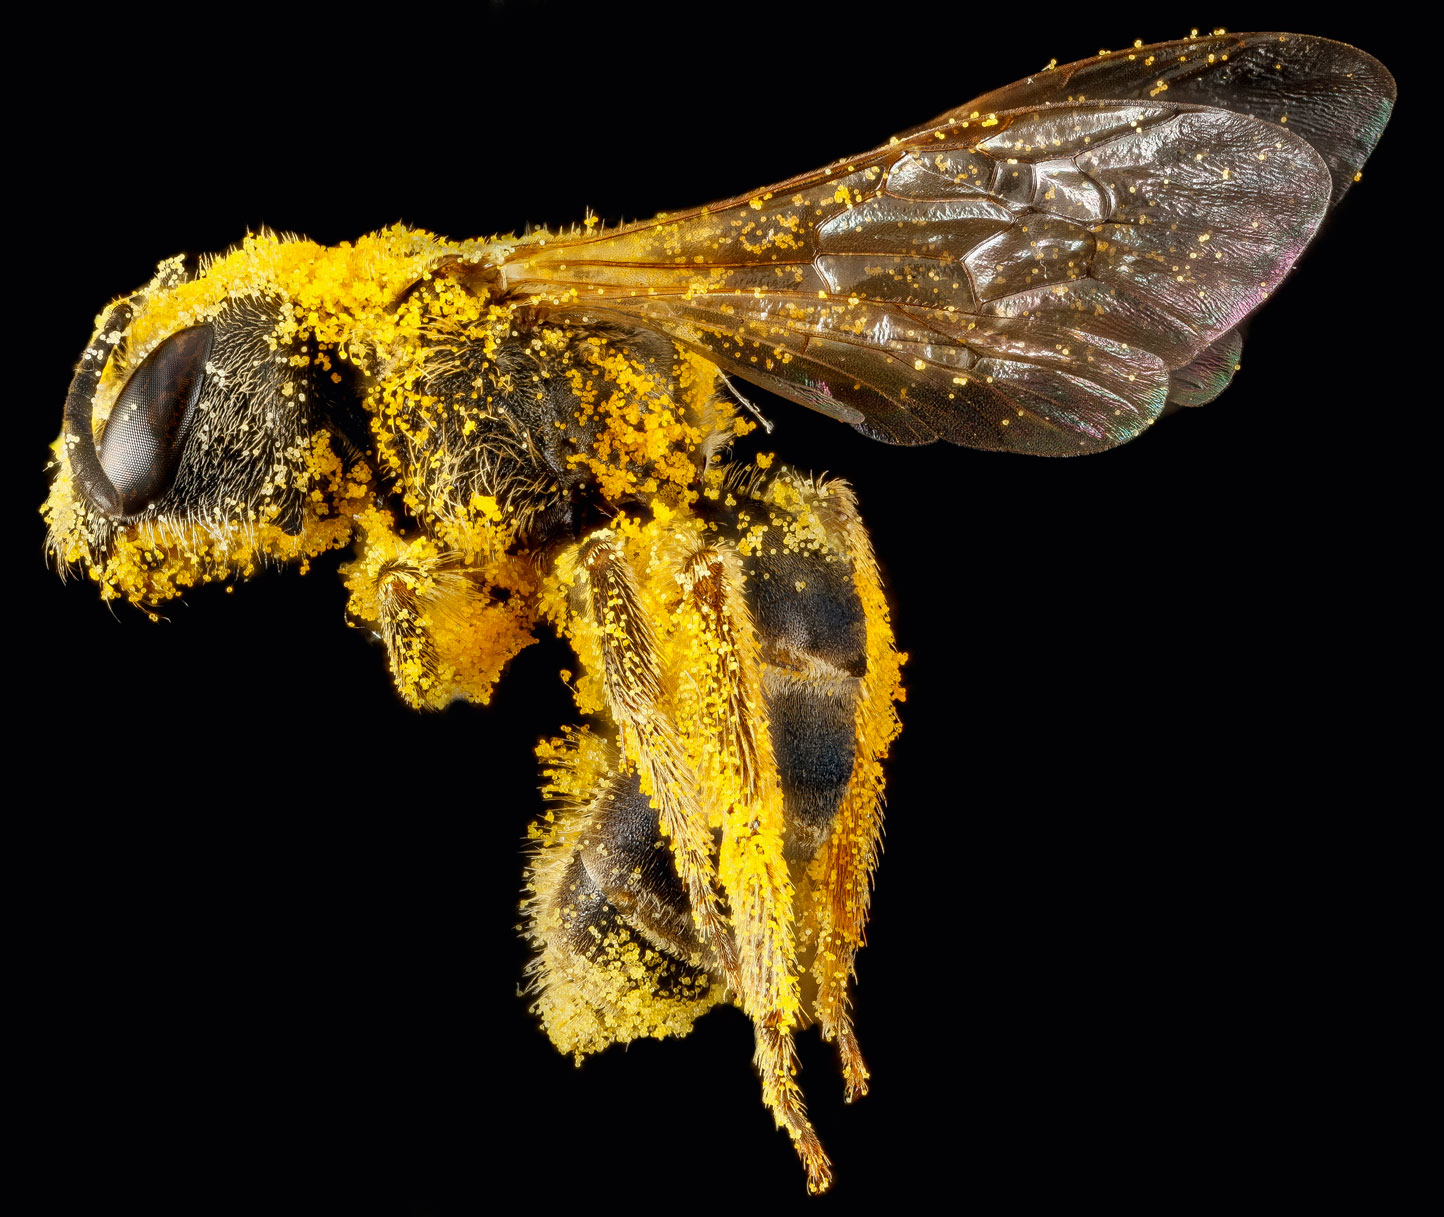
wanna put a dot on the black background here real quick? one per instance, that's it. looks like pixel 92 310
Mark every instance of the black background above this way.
pixel 274 914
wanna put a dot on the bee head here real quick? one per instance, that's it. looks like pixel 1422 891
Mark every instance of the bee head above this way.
pixel 192 445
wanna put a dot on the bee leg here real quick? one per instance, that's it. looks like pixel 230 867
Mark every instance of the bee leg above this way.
pixel 721 713
pixel 776 1061
pixel 830 677
pixel 624 641
pixel 841 874
pixel 430 611
pixel 617 952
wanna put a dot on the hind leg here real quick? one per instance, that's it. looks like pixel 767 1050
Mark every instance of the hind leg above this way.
pixel 831 676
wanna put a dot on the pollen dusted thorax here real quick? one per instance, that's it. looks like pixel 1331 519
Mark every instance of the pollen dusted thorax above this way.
pixel 482 423
pixel 499 464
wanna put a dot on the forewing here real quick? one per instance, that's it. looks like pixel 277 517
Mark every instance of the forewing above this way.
pixel 1332 95
pixel 1024 281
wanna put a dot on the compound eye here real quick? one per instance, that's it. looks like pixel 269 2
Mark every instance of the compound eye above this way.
pixel 152 417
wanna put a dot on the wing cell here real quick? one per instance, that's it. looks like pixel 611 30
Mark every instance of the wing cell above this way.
pixel 1333 95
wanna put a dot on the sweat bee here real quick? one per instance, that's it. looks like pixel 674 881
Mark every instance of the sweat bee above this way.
pixel 540 431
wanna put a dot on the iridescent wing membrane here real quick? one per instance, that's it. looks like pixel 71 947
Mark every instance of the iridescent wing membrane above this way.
pixel 1034 272
pixel 1333 95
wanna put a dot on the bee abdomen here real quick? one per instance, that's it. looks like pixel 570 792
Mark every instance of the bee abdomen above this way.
pixel 626 858
pixel 600 981
pixel 812 640
pixel 814 742
pixel 617 953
